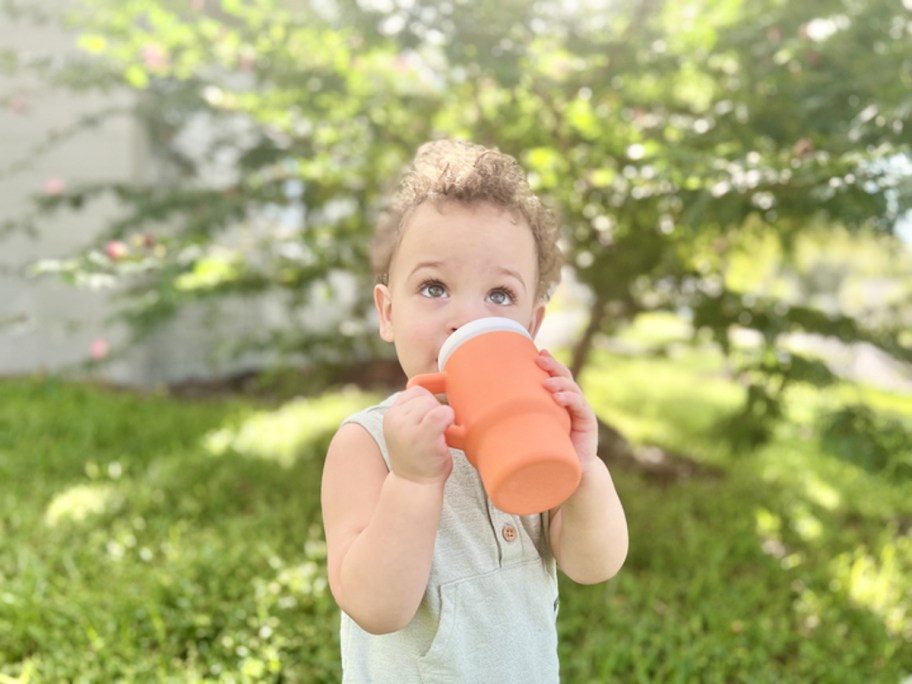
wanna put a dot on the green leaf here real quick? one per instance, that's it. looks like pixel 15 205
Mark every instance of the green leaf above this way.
pixel 137 77
pixel 92 43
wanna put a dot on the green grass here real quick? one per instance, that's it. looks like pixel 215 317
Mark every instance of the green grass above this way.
pixel 148 539
pixel 144 538
pixel 792 566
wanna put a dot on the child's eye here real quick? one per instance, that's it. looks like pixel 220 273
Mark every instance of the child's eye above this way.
pixel 502 296
pixel 433 289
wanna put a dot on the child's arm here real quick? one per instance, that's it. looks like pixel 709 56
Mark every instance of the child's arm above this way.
pixel 381 525
pixel 588 532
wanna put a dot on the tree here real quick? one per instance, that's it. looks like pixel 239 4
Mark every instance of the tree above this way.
pixel 666 134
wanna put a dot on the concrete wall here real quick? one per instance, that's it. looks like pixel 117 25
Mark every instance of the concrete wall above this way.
pixel 46 324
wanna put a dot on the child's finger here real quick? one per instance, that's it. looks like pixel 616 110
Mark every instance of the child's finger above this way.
pixel 547 362
pixel 558 383
pixel 438 419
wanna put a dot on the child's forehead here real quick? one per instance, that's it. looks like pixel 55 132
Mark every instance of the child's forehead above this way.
pixel 449 220
pixel 466 229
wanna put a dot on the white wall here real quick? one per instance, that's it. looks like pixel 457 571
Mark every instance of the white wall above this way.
pixel 47 325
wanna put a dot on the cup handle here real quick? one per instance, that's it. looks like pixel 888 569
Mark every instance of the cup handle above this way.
pixel 436 384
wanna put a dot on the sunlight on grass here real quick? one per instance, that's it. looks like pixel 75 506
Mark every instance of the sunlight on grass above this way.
pixel 878 582
pixel 281 435
pixel 29 669
pixel 657 329
pixel 292 583
pixel 671 402
pixel 78 503
pixel 796 462
pixel 769 530
pixel 819 492
pixel 880 400
pixel 805 523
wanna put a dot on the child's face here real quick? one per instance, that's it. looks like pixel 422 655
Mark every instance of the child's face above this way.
pixel 455 264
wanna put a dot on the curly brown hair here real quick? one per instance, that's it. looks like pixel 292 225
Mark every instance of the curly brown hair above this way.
pixel 468 173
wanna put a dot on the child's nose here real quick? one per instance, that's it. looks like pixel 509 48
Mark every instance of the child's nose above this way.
pixel 466 313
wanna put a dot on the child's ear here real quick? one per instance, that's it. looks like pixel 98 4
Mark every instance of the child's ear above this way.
pixel 538 315
pixel 384 303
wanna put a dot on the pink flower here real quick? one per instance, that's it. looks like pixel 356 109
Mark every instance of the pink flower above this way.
pixel 54 186
pixel 17 104
pixel 803 147
pixel 116 250
pixel 99 349
pixel 155 58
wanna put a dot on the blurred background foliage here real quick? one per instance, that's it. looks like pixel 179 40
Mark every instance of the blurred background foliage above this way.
pixel 704 158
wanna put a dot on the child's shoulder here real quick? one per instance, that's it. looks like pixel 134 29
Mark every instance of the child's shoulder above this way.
pixel 370 420
pixel 372 414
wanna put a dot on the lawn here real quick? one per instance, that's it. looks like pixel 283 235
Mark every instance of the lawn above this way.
pixel 149 538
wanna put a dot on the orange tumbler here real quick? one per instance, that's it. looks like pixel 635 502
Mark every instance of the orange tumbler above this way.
pixel 507 422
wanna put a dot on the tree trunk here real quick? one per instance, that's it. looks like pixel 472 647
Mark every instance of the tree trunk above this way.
pixel 584 347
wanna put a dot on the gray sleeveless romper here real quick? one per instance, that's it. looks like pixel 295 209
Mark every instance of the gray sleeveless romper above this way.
pixel 490 608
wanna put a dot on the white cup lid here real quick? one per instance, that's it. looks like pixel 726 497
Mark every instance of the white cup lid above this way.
pixel 479 326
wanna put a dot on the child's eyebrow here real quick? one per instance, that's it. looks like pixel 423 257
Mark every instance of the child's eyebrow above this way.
pixel 430 265
pixel 513 274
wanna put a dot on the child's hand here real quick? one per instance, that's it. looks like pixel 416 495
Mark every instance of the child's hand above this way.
pixel 583 423
pixel 588 531
pixel 414 427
